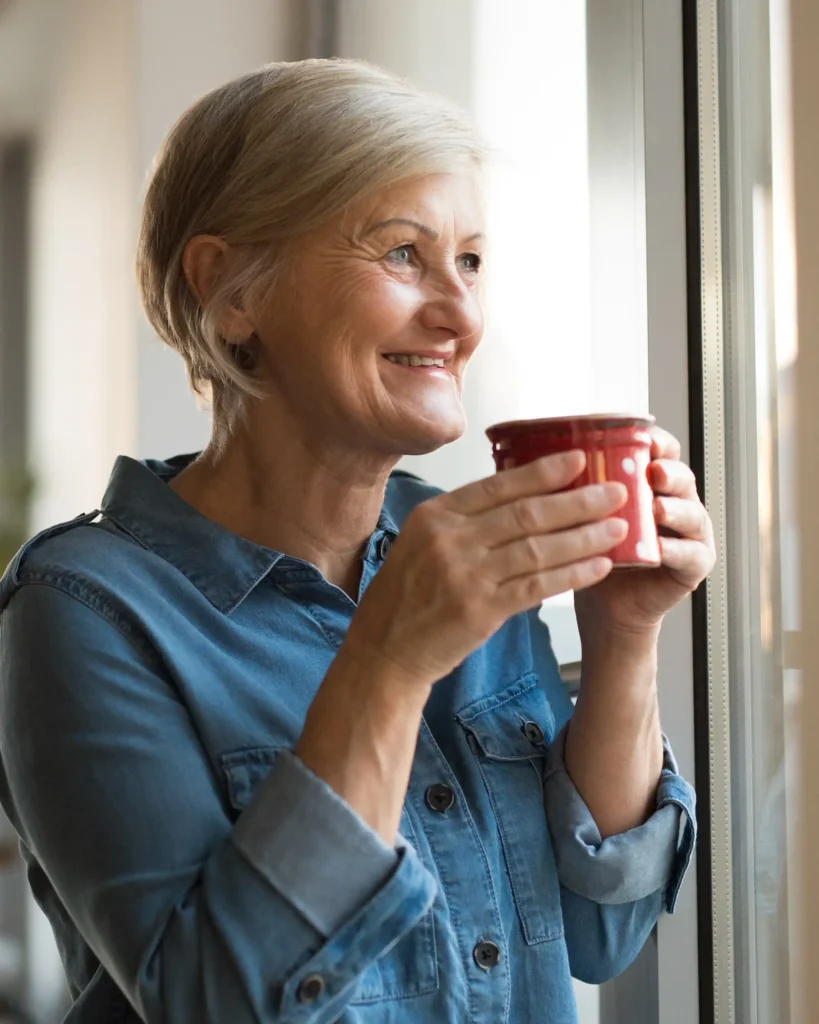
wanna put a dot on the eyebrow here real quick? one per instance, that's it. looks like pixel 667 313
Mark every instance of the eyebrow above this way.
pixel 421 228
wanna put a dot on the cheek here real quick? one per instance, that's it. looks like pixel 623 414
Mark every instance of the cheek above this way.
pixel 377 306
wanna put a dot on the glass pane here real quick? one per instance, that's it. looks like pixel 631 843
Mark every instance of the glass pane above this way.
pixel 763 547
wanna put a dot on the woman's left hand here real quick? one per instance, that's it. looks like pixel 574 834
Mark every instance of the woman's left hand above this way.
pixel 637 602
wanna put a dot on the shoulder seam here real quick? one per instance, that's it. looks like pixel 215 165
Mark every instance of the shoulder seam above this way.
pixel 76 587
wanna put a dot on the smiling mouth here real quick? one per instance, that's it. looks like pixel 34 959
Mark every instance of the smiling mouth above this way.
pixel 413 360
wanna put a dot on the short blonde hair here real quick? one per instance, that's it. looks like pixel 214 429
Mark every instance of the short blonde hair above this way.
pixel 258 162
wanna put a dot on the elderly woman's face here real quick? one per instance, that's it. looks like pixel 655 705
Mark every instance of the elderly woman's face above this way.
pixel 370 328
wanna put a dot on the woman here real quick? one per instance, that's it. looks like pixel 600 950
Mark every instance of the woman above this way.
pixel 282 734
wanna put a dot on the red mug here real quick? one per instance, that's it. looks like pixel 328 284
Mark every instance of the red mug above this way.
pixel 617 448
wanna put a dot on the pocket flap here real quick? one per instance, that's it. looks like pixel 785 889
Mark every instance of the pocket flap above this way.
pixel 511 725
pixel 244 771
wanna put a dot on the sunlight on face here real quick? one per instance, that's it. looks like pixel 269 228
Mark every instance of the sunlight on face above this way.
pixel 376 316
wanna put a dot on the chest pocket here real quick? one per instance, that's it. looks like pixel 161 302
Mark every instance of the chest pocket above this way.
pixel 508 734
pixel 410 967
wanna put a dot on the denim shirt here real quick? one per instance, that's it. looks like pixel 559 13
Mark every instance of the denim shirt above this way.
pixel 154 678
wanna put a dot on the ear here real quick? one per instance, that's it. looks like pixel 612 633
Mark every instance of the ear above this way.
pixel 204 260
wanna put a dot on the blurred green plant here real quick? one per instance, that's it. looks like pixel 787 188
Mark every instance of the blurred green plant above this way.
pixel 16 489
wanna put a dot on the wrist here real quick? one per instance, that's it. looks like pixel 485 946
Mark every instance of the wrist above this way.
pixel 359 736
pixel 622 664
pixel 622 641
pixel 359 674
pixel 359 660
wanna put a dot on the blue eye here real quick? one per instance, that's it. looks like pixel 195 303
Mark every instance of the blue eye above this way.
pixel 402 254
pixel 471 262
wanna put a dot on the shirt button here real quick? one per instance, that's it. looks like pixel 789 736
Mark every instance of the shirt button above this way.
pixel 439 797
pixel 487 955
pixel 533 733
pixel 311 988
pixel 384 546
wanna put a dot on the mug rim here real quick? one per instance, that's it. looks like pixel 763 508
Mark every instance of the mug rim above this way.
pixel 597 421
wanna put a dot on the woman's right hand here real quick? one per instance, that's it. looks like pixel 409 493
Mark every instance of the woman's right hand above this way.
pixel 467 561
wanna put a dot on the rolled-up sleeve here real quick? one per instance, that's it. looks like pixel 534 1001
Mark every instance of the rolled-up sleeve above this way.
pixel 302 838
pixel 624 868
pixel 198 919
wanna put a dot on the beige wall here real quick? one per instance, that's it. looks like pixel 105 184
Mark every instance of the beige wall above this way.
pixel 101 383
pixel 805 82
pixel 82 312
pixel 184 48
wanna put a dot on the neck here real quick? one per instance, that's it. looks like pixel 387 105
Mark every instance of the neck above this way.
pixel 313 500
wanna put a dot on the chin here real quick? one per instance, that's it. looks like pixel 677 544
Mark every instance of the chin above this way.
pixel 431 437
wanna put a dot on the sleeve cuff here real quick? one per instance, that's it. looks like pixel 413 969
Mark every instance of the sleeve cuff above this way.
pixel 312 847
pixel 625 868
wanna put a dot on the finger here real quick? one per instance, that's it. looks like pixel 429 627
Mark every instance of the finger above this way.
pixel 543 476
pixel 525 592
pixel 686 517
pixel 689 560
pixel 664 445
pixel 529 517
pixel 673 478
pixel 551 551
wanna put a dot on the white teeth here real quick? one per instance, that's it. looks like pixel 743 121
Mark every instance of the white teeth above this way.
pixel 414 360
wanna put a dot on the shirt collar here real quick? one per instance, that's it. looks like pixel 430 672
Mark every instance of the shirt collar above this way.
pixel 223 566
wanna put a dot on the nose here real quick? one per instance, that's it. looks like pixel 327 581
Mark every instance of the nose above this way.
pixel 453 310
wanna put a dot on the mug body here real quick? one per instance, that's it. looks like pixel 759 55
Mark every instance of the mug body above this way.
pixel 617 448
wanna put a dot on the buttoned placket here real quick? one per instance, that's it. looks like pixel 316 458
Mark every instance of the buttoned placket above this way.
pixel 446 822
pixel 464 877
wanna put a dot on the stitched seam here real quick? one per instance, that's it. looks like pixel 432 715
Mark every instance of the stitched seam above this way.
pixel 307 607
pixel 531 939
pixel 76 587
pixel 494 707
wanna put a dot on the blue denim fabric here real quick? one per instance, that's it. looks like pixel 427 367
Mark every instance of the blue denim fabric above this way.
pixel 155 671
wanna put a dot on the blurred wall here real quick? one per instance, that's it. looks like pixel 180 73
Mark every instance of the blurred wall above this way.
pixel 184 48
pixel 81 407
pixel 100 382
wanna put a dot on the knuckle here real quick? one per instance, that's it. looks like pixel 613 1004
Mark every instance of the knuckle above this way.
pixel 526 516
pixel 587 538
pixel 581 574
pixel 439 546
pixel 494 487
pixel 531 550
pixel 586 500
pixel 534 588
